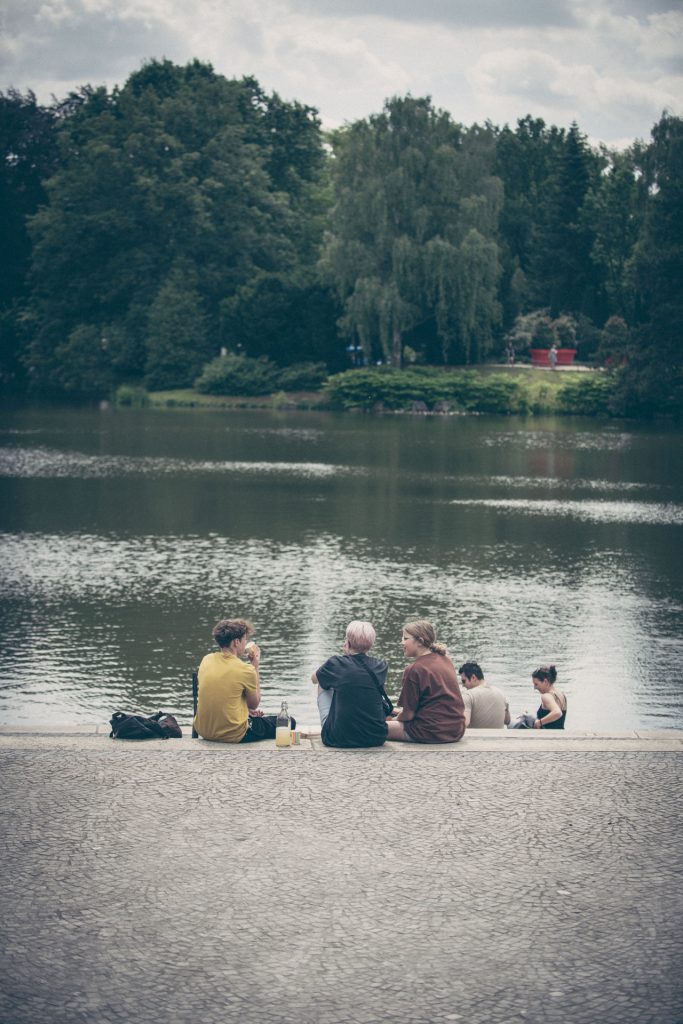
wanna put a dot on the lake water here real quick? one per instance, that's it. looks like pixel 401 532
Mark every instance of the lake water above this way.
pixel 124 535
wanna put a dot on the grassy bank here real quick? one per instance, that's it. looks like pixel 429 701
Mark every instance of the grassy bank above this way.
pixel 490 389
pixel 505 390
pixel 190 399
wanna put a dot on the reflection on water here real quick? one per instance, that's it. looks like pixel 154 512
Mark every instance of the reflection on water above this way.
pixel 124 536
pixel 48 462
pixel 595 511
pixel 604 440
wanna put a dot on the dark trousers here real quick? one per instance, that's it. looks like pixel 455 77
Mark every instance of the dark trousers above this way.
pixel 262 727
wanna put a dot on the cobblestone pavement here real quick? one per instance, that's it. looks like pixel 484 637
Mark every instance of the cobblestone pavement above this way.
pixel 197 883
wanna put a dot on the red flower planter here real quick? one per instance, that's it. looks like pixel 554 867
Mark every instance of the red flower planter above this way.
pixel 565 356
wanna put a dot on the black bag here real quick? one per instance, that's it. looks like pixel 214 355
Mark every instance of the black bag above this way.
pixel 144 727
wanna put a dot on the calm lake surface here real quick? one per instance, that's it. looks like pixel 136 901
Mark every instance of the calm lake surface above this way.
pixel 124 535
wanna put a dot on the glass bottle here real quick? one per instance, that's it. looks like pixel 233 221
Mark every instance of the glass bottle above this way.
pixel 283 727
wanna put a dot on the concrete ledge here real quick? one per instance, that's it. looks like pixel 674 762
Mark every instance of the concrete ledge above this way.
pixel 475 740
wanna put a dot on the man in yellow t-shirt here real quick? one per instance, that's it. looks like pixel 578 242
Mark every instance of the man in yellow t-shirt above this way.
pixel 229 689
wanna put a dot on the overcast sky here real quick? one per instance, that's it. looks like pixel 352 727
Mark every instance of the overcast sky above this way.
pixel 611 65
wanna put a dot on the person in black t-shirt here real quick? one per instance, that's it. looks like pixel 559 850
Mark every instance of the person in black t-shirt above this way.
pixel 351 698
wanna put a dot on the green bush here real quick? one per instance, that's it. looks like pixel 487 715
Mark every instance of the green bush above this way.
pixel 302 377
pixel 494 393
pixel 237 375
pixel 543 400
pixel 398 389
pixel 131 396
pixel 366 388
pixel 587 395
pixel 241 375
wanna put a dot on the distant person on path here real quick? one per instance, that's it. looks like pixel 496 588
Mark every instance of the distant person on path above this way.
pixel 553 709
pixel 485 705
pixel 510 353
pixel 552 356
pixel 229 689
pixel 431 705
pixel 352 703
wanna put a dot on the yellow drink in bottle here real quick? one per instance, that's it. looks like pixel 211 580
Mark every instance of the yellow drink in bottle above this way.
pixel 283 736
pixel 283 727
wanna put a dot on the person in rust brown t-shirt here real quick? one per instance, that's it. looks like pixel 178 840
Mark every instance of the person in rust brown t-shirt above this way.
pixel 432 708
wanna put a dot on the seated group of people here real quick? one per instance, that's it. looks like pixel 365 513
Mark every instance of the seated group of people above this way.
pixel 354 708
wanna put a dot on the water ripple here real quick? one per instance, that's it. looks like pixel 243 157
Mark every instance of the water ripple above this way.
pixel 600 441
pixel 591 511
pixel 50 463
pixel 92 622
pixel 553 482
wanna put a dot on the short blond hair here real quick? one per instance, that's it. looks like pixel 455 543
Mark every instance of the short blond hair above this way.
pixel 360 635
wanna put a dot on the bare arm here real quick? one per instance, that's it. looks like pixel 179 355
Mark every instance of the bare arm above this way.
pixel 407 696
pixel 554 711
pixel 506 720
pixel 314 680
pixel 467 706
pixel 253 697
pixel 405 715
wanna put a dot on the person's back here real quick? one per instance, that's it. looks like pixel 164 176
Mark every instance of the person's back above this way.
pixel 351 692
pixel 222 712
pixel 430 688
pixel 487 707
pixel 356 717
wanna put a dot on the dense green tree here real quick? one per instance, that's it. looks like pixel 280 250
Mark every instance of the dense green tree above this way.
pixel 651 382
pixel 178 339
pixel 290 316
pixel 162 173
pixel 28 155
pixel 614 211
pixel 525 159
pixel 290 319
pixel 412 232
pixel 185 213
pixel 564 275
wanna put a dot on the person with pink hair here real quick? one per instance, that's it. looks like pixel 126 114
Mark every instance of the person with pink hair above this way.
pixel 352 702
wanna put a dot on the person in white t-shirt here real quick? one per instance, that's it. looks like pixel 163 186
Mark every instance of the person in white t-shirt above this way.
pixel 485 705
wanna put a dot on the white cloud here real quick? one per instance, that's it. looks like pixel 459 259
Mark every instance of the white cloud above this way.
pixel 460 13
pixel 612 65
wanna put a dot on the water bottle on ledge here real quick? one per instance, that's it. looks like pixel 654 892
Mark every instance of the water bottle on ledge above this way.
pixel 283 727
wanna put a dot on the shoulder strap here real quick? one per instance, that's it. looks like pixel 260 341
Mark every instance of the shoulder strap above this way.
pixel 386 702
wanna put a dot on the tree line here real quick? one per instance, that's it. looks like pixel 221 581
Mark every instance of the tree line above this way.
pixel 149 228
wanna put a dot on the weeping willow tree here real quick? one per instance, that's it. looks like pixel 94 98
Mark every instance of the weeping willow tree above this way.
pixel 413 231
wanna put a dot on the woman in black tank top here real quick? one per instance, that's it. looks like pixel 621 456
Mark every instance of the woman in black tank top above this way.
pixel 553 710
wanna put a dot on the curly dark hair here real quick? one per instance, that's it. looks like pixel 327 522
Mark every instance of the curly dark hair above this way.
pixel 227 630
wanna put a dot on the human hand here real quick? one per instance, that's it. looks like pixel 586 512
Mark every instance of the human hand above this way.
pixel 253 653
pixel 256 714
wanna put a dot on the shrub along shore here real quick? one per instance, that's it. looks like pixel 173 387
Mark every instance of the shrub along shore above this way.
pixel 418 390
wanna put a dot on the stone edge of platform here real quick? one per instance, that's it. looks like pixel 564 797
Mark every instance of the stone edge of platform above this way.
pixel 670 740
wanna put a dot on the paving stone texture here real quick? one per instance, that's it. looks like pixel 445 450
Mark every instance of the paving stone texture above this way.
pixel 188 882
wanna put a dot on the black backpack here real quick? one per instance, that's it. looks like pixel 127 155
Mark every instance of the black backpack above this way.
pixel 144 727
